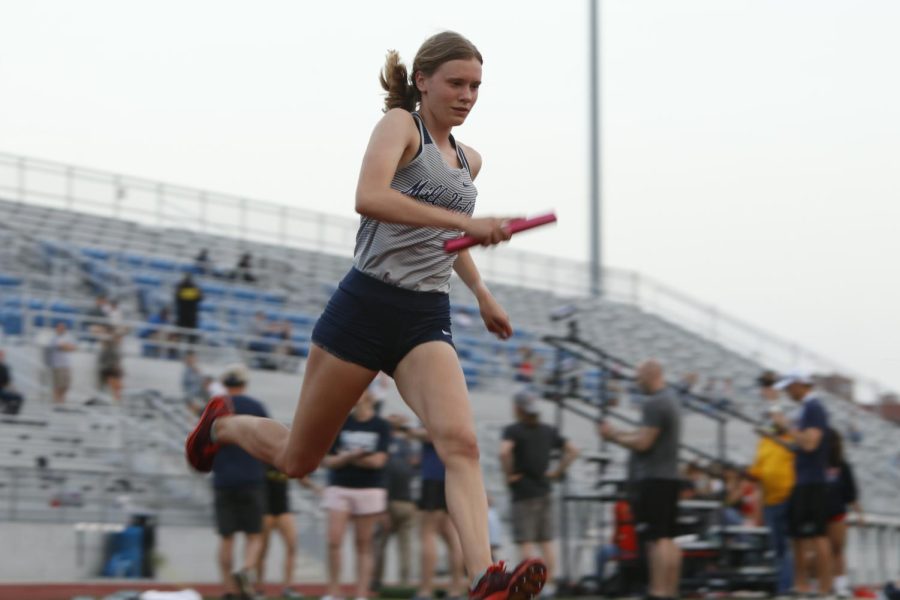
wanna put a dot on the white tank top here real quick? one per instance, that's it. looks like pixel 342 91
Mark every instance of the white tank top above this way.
pixel 413 257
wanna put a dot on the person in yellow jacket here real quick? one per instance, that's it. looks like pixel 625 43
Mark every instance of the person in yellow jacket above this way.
pixel 773 469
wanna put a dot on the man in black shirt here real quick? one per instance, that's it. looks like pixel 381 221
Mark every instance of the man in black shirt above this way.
pixel 525 454
pixel 188 297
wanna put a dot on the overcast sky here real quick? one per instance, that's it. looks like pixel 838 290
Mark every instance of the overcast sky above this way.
pixel 751 149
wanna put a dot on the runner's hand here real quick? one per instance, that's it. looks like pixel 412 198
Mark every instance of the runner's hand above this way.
pixel 488 230
pixel 495 318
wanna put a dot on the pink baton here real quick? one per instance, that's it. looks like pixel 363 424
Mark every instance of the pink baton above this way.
pixel 514 226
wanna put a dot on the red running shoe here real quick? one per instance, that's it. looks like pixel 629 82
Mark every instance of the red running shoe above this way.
pixel 524 583
pixel 199 448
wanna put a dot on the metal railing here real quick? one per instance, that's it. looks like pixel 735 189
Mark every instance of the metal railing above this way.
pixel 150 340
pixel 153 203
pixel 68 495
pixel 873 548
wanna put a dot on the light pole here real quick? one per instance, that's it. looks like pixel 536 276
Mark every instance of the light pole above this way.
pixel 594 199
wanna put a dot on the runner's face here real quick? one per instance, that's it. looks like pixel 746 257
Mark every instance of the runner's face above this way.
pixel 452 90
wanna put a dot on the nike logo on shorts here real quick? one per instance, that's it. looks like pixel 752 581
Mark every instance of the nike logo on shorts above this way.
pixel 445 332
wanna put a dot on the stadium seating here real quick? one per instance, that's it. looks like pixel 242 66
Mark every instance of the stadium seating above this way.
pixel 55 261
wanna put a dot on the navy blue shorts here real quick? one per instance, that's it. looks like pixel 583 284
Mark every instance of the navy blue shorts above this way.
pixel 374 324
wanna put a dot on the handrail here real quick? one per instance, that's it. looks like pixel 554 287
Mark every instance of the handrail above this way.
pixel 202 339
pixel 141 200
pixel 109 507
pixel 879 531
pixel 719 412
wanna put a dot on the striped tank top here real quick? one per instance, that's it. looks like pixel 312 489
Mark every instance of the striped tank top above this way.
pixel 413 257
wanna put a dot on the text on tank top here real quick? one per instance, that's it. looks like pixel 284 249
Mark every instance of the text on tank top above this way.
pixel 413 257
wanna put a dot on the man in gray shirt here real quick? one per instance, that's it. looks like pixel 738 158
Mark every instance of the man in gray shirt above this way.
pixel 654 470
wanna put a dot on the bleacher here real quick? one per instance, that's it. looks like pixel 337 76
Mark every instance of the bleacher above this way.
pixel 83 463
pixel 55 261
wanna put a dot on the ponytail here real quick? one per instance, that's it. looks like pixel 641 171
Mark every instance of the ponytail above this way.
pixel 401 92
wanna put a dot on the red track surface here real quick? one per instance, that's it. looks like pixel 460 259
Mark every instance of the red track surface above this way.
pixel 66 591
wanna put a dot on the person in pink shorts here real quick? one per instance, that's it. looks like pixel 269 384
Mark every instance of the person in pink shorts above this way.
pixel 356 491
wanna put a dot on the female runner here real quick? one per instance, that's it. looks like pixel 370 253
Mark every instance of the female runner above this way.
pixel 391 313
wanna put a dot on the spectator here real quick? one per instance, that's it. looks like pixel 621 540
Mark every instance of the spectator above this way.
pixel 654 470
pixel 854 433
pixel 238 480
pixel 624 541
pixel 202 262
pixel 380 389
pixel 687 387
pixel 98 317
pixel 495 528
pixel 10 398
pixel 5 377
pixel 400 471
pixel 525 454
pixel 356 491
pixel 770 396
pixel 192 389
pixel 278 517
pixel 688 383
pixel 808 506
pixel 260 328
pixel 741 498
pixel 773 469
pixel 435 521
pixel 891 590
pixel 115 317
pixel 696 483
pixel 264 331
pixel 614 393
pixel 61 346
pixel 157 330
pixel 244 269
pixel 526 365
pixel 109 359
pixel 842 494
pixel 188 297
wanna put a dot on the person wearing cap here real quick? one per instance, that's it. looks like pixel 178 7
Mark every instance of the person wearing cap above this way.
pixel 525 455
pixel 807 510
pixel 770 396
pixel 654 471
pixel 773 470
pixel 238 481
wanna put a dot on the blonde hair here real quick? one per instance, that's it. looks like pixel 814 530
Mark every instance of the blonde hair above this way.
pixel 400 85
